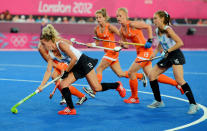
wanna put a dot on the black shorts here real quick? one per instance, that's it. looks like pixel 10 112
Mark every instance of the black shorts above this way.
pixel 84 65
pixel 174 58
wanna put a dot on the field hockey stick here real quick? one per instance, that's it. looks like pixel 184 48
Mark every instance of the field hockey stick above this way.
pixel 126 43
pixel 14 108
pixel 53 92
pixel 117 49
pixel 157 57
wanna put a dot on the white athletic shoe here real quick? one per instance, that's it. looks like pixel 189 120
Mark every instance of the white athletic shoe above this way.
pixel 81 100
pixel 193 109
pixel 144 80
pixel 89 91
pixel 156 104
pixel 63 101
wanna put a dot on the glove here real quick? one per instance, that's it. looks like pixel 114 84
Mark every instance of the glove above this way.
pixel 164 54
pixel 65 74
pixel 91 45
pixel 117 49
pixel 148 44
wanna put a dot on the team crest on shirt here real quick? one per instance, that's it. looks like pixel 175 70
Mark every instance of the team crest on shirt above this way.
pixel 176 61
pixel 90 65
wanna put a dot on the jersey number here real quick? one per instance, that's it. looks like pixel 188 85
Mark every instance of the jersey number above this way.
pixel 146 54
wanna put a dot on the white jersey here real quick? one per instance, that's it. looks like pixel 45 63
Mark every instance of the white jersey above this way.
pixel 64 57
pixel 165 41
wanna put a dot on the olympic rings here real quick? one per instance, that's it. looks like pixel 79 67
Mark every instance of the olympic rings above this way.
pixel 19 41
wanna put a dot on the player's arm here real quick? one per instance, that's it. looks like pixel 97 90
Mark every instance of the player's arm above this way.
pixel 114 30
pixel 142 25
pixel 47 74
pixel 176 38
pixel 93 44
pixel 65 48
pixel 95 32
pixel 157 49
pixel 123 39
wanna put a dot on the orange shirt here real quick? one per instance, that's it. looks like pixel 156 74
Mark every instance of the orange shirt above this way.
pixel 106 35
pixel 136 36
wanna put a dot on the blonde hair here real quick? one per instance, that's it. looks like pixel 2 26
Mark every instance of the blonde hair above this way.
pixel 124 10
pixel 49 33
pixel 103 12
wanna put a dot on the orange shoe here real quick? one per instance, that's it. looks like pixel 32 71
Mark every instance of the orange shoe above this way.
pixel 121 89
pixel 131 100
pixel 180 88
pixel 67 111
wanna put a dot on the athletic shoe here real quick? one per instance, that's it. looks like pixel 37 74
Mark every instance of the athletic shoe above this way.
pixel 131 100
pixel 156 104
pixel 180 88
pixel 63 101
pixel 89 91
pixel 193 109
pixel 67 111
pixel 121 89
pixel 81 100
pixel 144 80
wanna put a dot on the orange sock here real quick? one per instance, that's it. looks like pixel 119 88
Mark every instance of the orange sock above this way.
pixel 134 87
pixel 139 75
pixel 167 80
pixel 76 92
pixel 99 76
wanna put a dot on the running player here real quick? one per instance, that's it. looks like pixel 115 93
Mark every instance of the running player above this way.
pixel 58 68
pixel 79 66
pixel 104 30
pixel 170 42
pixel 132 30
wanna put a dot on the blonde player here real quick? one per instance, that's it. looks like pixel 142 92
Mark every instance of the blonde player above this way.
pixel 132 30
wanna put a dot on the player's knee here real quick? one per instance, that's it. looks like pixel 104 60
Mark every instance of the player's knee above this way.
pixel 120 75
pixel 152 76
pixel 98 88
pixel 180 81
pixel 62 85
pixel 130 73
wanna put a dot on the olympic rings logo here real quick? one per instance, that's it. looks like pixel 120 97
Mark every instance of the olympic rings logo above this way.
pixel 19 41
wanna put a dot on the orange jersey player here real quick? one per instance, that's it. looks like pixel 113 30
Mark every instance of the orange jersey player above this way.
pixel 132 30
pixel 106 31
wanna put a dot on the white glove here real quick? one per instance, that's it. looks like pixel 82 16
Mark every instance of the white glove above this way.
pixel 93 44
pixel 118 48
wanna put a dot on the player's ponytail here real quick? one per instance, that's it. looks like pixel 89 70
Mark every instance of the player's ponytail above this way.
pixel 104 13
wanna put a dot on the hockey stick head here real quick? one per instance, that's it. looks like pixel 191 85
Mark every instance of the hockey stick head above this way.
pixel 72 39
pixel 96 38
pixel 14 110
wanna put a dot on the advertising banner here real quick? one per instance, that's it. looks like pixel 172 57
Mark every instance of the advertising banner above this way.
pixel 87 8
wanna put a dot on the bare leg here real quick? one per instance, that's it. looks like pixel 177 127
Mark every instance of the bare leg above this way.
pixel 117 70
pixel 101 67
